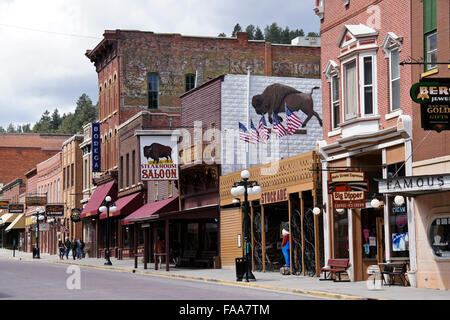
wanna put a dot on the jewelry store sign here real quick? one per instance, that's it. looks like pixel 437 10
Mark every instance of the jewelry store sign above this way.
pixel 347 189
pixel 415 184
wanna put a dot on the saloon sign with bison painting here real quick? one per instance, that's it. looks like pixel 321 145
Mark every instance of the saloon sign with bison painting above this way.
pixel 159 160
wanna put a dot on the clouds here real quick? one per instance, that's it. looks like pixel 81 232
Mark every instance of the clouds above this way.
pixel 48 70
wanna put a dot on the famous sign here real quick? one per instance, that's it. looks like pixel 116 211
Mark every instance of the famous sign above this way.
pixel 433 95
pixel 348 189
pixel 159 156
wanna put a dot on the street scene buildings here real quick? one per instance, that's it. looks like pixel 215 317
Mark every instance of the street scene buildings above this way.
pixel 321 158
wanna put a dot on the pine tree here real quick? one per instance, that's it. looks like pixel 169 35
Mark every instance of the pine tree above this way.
pixel 237 28
pixel 250 31
pixel 258 34
pixel 222 35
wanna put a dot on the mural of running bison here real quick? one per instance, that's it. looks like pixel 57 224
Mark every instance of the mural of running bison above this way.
pixel 157 151
pixel 275 96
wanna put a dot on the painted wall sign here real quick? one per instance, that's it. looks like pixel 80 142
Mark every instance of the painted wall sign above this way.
pixel 35 201
pixel 16 208
pixel 95 147
pixel 438 182
pixel 348 189
pixel 4 204
pixel 54 210
pixel 159 157
pixel 274 196
pixel 433 95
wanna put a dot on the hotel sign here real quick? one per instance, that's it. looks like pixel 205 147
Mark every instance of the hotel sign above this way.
pixel 415 184
pixel 95 151
pixel 433 95
pixel 347 189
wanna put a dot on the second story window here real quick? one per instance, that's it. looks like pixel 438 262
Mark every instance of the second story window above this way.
pixel 367 89
pixel 395 79
pixel 350 91
pixel 335 112
pixel 153 87
pixel 189 80
pixel 430 34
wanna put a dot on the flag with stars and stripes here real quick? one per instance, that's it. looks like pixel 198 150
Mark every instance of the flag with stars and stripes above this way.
pixel 278 127
pixel 263 130
pixel 244 135
pixel 254 134
pixel 293 122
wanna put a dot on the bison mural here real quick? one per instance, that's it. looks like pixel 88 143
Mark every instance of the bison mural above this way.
pixel 156 151
pixel 275 96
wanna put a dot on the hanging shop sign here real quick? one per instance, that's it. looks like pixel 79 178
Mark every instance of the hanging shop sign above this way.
pixel 16 208
pixel 54 210
pixel 348 189
pixel 75 215
pixel 32 201
pixel 159 157
pixel 274 196
pixel 415 184
pixel 95 151
pixel 4 204
pixel 433 95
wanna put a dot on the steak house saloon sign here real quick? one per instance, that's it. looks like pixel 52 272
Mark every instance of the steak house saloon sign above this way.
pixel 158 155
pixel 415 184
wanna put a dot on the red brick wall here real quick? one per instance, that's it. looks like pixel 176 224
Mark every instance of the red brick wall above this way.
pixel 394 17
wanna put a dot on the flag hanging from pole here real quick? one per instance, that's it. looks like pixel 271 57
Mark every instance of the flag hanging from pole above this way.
pixel 278 127
pixel 263 130
pixel 243 133
pixel 293 122
pixel 254 134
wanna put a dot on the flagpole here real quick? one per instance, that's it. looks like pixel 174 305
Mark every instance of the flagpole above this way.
pixel 248 114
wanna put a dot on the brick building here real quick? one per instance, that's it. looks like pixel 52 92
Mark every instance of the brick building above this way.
pixel 21 152
pixel 367 122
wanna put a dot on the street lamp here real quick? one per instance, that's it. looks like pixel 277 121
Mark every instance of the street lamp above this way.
pixel 108 207
pixel 246 188
pixel 38 215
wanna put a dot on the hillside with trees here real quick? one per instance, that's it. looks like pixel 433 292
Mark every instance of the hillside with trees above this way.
pixel 71 123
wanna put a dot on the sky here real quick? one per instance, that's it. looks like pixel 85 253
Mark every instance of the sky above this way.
pixel 43 43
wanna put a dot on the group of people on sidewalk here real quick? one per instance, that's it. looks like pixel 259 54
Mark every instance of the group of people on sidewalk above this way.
pixel 77 247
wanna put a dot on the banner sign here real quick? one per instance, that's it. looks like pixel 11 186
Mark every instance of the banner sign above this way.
pixel 54 210
pixel 348 189
pixel 16 208
pixel 32 201
pixel 4 204
pixel 415 184
pixel 159 157
pixel 95 148
pixel 433 95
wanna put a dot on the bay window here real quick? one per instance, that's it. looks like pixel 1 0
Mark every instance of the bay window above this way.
pixel 335 102
pixel 367 85
pixel 350 91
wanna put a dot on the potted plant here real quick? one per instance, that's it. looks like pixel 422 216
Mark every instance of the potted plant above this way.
pixel 88 252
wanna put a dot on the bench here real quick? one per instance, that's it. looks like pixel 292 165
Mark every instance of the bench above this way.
pixel 188 257
pixel 335 267
pixel 206 259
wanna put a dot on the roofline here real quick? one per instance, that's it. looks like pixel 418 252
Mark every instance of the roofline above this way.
pixel 221 77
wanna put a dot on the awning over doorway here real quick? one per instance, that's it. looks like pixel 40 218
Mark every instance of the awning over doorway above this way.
pixel 18 223
pixel 145 212
pixel 205 212
pixel 126 205
pixel 8 217
pixel 97 198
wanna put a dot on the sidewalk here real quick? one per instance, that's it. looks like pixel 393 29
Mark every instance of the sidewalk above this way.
pixel 266 280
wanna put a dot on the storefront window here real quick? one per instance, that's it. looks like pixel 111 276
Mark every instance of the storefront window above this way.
pixel 398 222
pixel 126 236
pixel 87 232
pixel 211 233
pixel 192 236
pixel 341 235
pixel 439 237
pixel 369 232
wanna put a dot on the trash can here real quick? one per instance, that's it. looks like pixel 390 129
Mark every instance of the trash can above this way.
pixel 241 267
pixel 34 253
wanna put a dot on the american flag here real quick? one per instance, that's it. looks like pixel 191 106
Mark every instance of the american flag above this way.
pixel 243 133
pixel 254 134
pixel 278 127
pixel 263 130
pixel 293 122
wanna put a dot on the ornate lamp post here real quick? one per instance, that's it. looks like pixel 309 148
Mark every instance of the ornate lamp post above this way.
pixel 246 188
pixel 108 207
pixel 39 215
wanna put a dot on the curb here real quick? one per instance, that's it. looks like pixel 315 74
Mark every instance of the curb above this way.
pixel 309 292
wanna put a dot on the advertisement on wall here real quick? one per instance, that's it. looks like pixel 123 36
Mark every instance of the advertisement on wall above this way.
pixel 159 157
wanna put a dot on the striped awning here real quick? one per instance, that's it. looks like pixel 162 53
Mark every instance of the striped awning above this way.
pixel 18 223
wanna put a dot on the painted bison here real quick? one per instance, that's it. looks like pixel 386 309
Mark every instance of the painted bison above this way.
pixel 156 151
pixel 275 96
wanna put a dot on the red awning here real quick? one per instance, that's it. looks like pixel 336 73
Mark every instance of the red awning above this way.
pixel 146 211
pixel 125 205
pixel 97 198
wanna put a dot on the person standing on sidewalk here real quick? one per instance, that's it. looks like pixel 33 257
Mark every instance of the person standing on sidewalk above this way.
pixel 61 249
pixel 68 246
pixel 82 247
pixel 74 249
pixel 78 249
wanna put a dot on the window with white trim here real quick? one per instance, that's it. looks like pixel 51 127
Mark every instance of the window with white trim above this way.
pixel 394 79
pixel 350 91
pixel 367 90
pixel 335 112
pixel 431 50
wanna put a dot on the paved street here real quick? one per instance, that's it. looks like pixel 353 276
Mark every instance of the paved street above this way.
pixel 33 280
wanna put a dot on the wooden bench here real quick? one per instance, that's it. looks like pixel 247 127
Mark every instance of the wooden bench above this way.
pixel 206 259
pixel 188 257
pixel 335 267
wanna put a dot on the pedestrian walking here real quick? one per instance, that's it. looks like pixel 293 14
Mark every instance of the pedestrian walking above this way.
pixel 62 249
pixel 78 249
pixel 68 246
pixel 82 248
pixel 74 249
